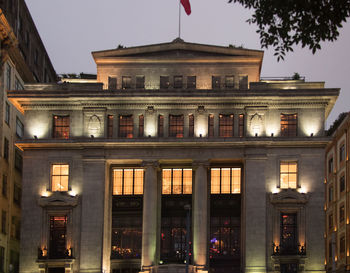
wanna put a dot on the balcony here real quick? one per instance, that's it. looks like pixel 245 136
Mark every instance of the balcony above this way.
pixel 44 254
pixel 280 250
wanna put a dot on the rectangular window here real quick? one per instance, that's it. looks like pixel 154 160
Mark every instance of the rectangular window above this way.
pixel 18 84
pixel 2 258
pixel 177 181
pixel 59 177
pixel 211 126
pixel 230 81
pixel 191 125
pixel 61 127
pixel 6 148
pixel 19 128
pixel 225 180
pixel 126 126
pixel 110 120
pixel 126 82
pixel 225 125
pixel 191 82
pixel 241 125
pixel 18 160
pixel 8 76
pixel 288 233
pixel 128 181
pixel 342 183
pixel 160 126
pixel 330 166
pixel 164 82
pixel 342 245
pixel 330 221
pixel 342 153
pixel 58 235
pixel 17 193
pixel 112 83
pixel 176 126
pixel 330 194
pixel 140 82
pixel 141 125
pixel 178 82
pixel 341 214
pixel 4 186
pixel 288 175
pixel 243 82
pixel 3 222
pixel 7 113
pixel 289 125
pixel 215 82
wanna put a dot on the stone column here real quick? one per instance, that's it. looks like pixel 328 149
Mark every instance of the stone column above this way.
pixel 149 226
pixel 254 213
pixel 200 216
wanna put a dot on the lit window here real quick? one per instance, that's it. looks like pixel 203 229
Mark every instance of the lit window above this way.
pixel 141 125
pixel 288 175
pixel 128 181
pixel 126 126
pixel 191 82
pixel 176 126
pixel 140 82
pixel 59 177
pixel 225 180
pixel 216 82
pixel 342 153
pixel 110 119
pixel 211 126
pixel 191 125
pixel 226 125
pixel 61 127
pixel 177 181
pixel 126 82
pixel 241 125
pixel 19 128
pixel 178 81
pixel 289 125
pixel 229 81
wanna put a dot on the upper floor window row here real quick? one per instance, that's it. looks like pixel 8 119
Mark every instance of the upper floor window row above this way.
pixel 178 82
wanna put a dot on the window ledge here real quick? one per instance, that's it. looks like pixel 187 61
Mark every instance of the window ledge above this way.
pixel 289 196
pixel 59 199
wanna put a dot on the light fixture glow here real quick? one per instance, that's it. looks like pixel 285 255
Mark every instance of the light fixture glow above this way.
pixel 275 190
pixel 72 193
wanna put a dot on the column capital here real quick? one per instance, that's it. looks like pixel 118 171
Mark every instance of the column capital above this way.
pixel 200 163
pixel 150 163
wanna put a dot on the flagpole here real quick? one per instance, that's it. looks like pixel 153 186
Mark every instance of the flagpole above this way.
pixel 179 19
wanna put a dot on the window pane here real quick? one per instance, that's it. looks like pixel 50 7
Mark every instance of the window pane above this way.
pixel 55 183
pixel 177 179
pixel 215 181
pixel 64 183
pixel 138 181
pixel 236 180
pixel 118 182
pixel 166 181
pixel 59 177
pixel 284 167
pixel 128 181
pixel 225 180
pixel 284 181
pixel 187 181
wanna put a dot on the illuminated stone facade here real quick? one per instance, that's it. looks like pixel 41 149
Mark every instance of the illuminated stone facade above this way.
pixel 337 199
pixel 173 129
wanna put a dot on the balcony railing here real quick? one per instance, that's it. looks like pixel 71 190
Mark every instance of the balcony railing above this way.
pixel 43 253
pixel 278 250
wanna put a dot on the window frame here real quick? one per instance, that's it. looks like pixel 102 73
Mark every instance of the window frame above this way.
pixel 126 130
pixel 6 153
pixel 141 125
pixel 110 123
pixel 123 181
pixel 241 125
pixel 229 81
pixel 61 131
pixel 289 173
pixel 64 175
pixel 191 82
pixel 19 128
pixel 7 116
pixel 342 153
pixel 140 81
pixel 211 126
pixel 178 82
pixel 289 125
pixel 215 82
pixel 126 82
pixel 172 181
pixel 221 185
pixel 226 125
pixel 176 125
pixel 160 125
pixel 164 82
pixel 112 83
pixel 243 82
pixel 190 125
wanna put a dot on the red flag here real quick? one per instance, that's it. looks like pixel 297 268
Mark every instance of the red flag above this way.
pixel 187 6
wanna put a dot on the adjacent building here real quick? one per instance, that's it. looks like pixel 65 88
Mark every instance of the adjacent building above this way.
pixel 337 179
pixel 23 59
pixel 113 170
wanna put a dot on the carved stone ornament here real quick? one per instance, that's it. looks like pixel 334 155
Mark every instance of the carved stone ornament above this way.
pixel 201 109
pixel 256 123
pixel 94 126
pixel 150 109
pixel 289 196
pixel 58 199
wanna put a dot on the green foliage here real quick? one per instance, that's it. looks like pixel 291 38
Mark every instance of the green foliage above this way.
pixel 283 24
pixel 296 76
pixel 336 123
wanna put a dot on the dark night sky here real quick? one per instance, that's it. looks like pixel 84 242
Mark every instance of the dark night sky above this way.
pixel 71 29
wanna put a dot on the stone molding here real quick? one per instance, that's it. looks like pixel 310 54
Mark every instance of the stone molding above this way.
pixel 58 199
pixel 289 196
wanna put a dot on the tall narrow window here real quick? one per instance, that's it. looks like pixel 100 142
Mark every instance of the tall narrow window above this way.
pixel 141 125
pixel 191 125
pixel 241 125
pixel 230 81
pixel 19 128
pixel 330 165
pixel 225 180
pixel 59 177
pixel 177 181
pixel 226 125
pixel 288 243
pixel 342 245
pixel 126 126
pixel 191 82
pixel 18 84
pixel 178 81
pixel 17 194
pixel 341 214
pixel 58 234
pixel 61 127
pixel 8 76
pixel 216 82
pixel 110 120
pixel 176 126
pixel 7 113
pixel 342 183
pixel 288 175
pixel 243 82
pixel 6 148
pixel 140 82
pixel 160 126
pixel 2 258
pixel 330 221
pixel 3 222
pixel 4 186
pixel 18 160
pixel 211 126
pixel 289 125
pixel 126 82
pixel 342 153
pixel 112 83
pixel 128 181
pixel 164 82
pixel 330 194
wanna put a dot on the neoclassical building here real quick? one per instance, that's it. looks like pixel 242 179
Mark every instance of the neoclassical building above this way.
pixel 179 157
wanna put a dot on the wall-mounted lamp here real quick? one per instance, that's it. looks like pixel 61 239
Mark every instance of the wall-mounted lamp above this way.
pixel 271 134
pixel 256 134
pixel 312 134
pixel 200 135
pixel 92 136
pixel 149 135
pixel 35 137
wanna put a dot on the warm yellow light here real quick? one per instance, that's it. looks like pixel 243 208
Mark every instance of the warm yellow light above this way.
pixel 335 228
pixel 45 193
pixel 275 190
pixel 335 258
pixel 302 190
pixel 347 220
pixel 72 193
pixel 347 253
